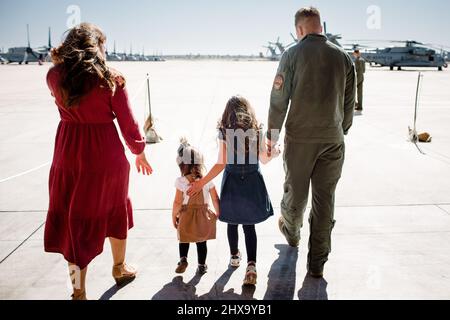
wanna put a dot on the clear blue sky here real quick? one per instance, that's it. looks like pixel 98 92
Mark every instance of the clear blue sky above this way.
pixel 219 27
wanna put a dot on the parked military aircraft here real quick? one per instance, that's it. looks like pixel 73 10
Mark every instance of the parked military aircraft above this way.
pixel 334 38
pixel 273 53
pixel 113 56
pixel 412 54
pixel 27 54
pixel 277 45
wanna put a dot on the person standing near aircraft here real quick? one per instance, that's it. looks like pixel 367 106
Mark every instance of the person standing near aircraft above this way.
pixel 360 65
pixel 319 107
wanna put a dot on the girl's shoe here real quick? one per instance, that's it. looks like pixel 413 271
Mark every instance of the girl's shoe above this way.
pixel 202 269
pixel 123 274
pixel 79 296
pixel 182 266
pixel 250 276
pixel 235 260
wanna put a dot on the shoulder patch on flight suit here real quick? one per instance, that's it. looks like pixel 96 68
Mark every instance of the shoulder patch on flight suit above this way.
pixel 278 82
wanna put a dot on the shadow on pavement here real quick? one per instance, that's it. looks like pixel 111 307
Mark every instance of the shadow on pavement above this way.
pixel 313 289
pixel 178 290
pixel 112 291
pixel 280 285
pixel 282 274
pixel 217 291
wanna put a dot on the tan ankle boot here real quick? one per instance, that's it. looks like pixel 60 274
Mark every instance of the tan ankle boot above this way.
pixel 123 274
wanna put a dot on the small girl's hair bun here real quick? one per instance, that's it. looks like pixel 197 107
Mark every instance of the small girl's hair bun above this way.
pixel 183 145
pixel 184 142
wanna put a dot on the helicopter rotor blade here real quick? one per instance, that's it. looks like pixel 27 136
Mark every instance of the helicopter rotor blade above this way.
pixel 293 37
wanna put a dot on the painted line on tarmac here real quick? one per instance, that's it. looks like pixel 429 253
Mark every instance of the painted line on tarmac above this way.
pixel 444 210
pixel 25 172
pixel 23 242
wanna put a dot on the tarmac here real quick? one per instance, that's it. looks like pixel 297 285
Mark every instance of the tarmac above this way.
pixel 392 237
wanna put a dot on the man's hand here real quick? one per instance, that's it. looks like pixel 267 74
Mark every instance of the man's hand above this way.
pixel 275 152
pixel 270 146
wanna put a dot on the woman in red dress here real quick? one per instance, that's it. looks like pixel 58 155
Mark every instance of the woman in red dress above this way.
pixel 89 176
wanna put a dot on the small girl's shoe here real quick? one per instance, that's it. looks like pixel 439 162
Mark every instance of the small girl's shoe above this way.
pixel 182 266
pixel 235 260
pixel 250 276
pixel 123 274
pixel 202 269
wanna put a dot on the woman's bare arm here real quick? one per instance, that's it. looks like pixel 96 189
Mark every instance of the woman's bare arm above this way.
pixel 215 200
pixel 197 186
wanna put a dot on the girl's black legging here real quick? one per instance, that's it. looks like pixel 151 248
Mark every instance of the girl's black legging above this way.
pixel 202 251
pixel 250 240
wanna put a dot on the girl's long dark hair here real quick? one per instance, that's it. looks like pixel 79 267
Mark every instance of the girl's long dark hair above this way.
pixel 240 115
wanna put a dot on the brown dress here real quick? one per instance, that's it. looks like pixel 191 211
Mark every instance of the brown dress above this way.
pixel 197 223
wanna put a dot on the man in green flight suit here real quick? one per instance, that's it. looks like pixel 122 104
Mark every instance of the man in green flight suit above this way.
pixel 315 88
pixel 360 65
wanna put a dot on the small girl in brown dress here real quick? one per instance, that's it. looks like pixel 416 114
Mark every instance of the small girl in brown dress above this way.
pixel 191 216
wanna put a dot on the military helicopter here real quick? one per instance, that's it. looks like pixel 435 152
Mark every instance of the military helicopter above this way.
pixel 273 46
pixel 281 47
pixel 274 56
pixel 27 54
pixel 331 37
pixel 113 56
pixel 131 56
pixel 412 54
pixel 334 38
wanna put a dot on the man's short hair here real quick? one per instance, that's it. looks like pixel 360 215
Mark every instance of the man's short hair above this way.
pixel 307 13
pixel 356 51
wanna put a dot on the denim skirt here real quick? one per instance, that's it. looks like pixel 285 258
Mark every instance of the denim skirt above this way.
pixel 244 198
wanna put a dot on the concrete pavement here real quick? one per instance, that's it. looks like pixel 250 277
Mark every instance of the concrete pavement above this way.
pixel 393 204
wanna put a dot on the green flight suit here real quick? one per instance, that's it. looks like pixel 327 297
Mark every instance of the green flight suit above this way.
pixel 360 65
pixel 315 90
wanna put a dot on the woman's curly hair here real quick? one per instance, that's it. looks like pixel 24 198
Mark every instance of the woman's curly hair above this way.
pixel 83 63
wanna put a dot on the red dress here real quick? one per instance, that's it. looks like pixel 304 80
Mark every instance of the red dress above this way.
pixel 89 176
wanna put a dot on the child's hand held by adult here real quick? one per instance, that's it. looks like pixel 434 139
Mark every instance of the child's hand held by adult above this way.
pixel 195 188
pixel 275 152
